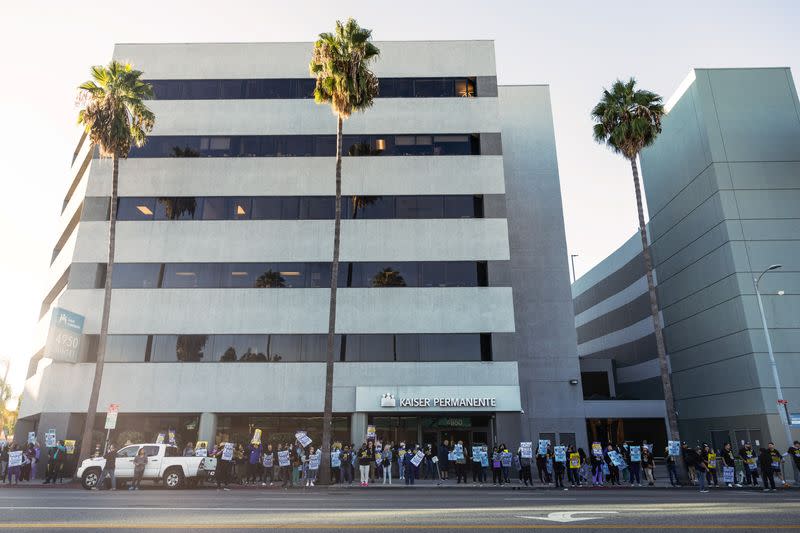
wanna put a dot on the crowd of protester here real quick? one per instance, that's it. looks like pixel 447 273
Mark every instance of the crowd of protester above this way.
pixel 454 462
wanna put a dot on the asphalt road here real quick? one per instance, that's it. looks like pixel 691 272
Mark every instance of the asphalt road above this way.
pixel 418 509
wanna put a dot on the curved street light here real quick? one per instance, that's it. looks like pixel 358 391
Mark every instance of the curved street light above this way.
pixel 778 391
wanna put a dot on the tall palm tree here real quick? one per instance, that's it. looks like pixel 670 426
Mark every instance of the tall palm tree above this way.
pixel 340 63
pixel 115 117
pixel 627 120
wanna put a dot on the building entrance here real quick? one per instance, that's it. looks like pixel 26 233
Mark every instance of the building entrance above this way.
pixel 433 429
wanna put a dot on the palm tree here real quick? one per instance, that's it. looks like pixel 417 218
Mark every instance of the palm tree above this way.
pixel 115 118
pixel 340 63
pixel 627 120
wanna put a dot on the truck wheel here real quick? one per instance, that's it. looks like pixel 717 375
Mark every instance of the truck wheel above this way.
pixel 173 478
pixel 90 478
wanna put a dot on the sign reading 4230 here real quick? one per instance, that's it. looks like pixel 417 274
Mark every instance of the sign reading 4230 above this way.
pixel 64 336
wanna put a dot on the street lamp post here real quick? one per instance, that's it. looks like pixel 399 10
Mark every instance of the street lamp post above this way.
pixel 781 401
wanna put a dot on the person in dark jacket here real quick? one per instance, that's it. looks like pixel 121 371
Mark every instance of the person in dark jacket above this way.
pixel 525 463
pixel 750 458
pixel 729 461
pixel 109 470
pixel 139 463
pixel 541 468
pixel 254 452
pixel 347 465
pixel 613 470
pixel 444 461
pixel 694 458
pixel 765 462
pixel 710 459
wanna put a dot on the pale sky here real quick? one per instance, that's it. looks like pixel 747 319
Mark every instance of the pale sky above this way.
pixel 46 49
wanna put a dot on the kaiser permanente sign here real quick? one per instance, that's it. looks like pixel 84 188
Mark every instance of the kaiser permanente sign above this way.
pixel 426 398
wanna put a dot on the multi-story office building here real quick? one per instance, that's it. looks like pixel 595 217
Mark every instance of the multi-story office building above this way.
pixel 723 191
pixel 454 311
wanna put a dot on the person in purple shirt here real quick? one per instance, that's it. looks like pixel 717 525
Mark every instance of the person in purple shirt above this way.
pixel 254 462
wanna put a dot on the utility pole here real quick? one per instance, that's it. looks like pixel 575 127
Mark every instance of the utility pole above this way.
pixel 784 416
pixel 572 259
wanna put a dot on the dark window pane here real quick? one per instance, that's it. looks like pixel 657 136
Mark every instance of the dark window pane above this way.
pixel 459 206
pixel 125 348
pixel 386 88
pixel 370 348
pixel 232 89
pixel 240 275
pixel 176 208
pixel 290 208
pixel 233 348
pixel 392 275
pixel 406 207
pixel 135 275
pixel 163 350
pixel 407 347
pixel 371 207
pixel 451 145
pixel 251 146
pixel 191 275
pixel 299 145
pixel 450 347
pixel 465 87
pixel 293 274
pixel 433 88
pixel 462 274
pixel 270 277
pixel 130 208
pixel 191 348
pixel 319 275
pixel 306 87
pixel 267 208
pixel 430 207
pixel 317 208
pixel 314 347
pixel 325 145
pixel 214 208
pixel 202 90
pixel 433 274
pixel 283 348
pixel 404 87
pixel 237 208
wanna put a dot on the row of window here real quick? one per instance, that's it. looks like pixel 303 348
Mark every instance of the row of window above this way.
pixel 298 207
pixel 307 145
pixel 299 275
pixel 295 348
pixel 304 88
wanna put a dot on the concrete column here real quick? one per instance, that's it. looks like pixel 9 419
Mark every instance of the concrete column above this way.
pixel 358 428
pixel 207 430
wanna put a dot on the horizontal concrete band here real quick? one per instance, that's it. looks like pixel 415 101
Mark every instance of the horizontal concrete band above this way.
pixel 290 60
pixel 389 116
pixel 257 311
pixel 300 176
pixel 304 240
pixel 268 388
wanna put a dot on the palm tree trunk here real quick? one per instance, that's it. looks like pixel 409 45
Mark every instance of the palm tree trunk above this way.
pixel 88 426
pixel 666 380
pixel 327 417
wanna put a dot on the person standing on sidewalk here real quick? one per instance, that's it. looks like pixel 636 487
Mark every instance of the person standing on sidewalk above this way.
pixel 777 463
pixel 710 459
pixel 648 465
pixel 794 454
pixel 767 472
pixel 139 462
pixel 109 469
pixel 387 463
pixel 444 461
pixel 748 455
pixel 525 464
pixel 700 467
pixel 364 460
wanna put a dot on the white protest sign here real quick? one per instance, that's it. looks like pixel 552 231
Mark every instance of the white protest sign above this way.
pixel 636 454
pixel 417 459
pixel 31 437
pixel 15 458
pixel 201 452
pixel 727 474
pixel 160 438
pixel 227 452
pixel 526 450
pixel 303 438
pixel 268 458
pixel 313 462
pixel 283 458
pixel 336 458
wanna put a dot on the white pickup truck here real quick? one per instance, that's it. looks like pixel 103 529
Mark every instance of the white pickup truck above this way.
pixel 164 464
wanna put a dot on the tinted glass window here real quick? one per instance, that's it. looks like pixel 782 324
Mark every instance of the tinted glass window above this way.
pixel 171 451
pixel 151 451
pixel 201 90
pixel 461 274
pixel 179 348
pixel 232 89
pixel 317 208
pixel 450 347
pixel 177 208
pixel 128 451
pixel 238 208
pixel 135 275
pixel 435 87
pixel 267 208
pixel 214 208
pixel 240 275
pixel 319 275
pixel 433 274
pixel 191 275
pixel 459 206
pixel 130 208
pixel 125 348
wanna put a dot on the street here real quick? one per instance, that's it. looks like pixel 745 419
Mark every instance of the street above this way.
pixel 381 509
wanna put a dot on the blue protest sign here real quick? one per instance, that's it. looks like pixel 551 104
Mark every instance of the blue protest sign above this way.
pixel 561 454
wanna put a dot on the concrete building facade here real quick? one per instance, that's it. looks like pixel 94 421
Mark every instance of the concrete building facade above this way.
pixel 722 184
pixel 454 292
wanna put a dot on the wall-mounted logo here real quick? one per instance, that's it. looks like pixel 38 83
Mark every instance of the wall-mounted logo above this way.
pixel 387 400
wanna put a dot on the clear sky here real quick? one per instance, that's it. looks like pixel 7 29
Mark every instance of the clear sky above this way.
pixel 577 47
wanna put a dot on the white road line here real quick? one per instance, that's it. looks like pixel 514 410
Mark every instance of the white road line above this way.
pixel 136 508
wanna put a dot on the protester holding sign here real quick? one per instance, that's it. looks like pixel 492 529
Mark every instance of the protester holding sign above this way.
pixel 254 452
pixel 284 463
pixel 711 462
pixel 574 467
pixel 648 465
pixel 748 455
pixel 672 467
pixel 794 454
pixel 525 453
pixel 559 460
pixel 611 464
pixel 314 457
pixel 634 457
pixel 777 461
pixel 224 455
pixel 14 464
pixel 597 468
pixel 267 466
pixel 728 465
pixel 365 455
